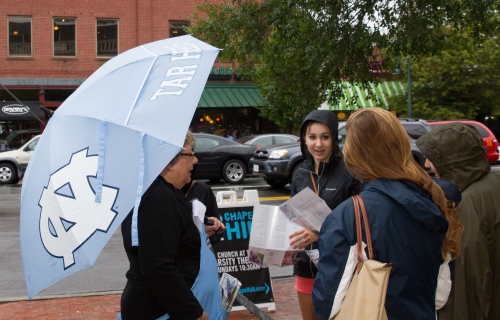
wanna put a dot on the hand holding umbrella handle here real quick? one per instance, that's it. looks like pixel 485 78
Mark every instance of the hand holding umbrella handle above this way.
pixel 209 222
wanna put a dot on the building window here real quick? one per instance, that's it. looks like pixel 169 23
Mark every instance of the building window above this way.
pixel 64 37
pixel 57 95
pixel 176 28
pixel 19 36
pixel 107 37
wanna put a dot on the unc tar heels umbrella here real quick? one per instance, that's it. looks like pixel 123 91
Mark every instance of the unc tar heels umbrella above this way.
pixel 101 150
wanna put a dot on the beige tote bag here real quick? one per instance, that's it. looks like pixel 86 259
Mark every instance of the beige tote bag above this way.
pixel 365 297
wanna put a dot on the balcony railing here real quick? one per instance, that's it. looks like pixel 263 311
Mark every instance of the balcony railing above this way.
pixel 64 48
pixel 67 48
pixel 23 49
pixel 107 47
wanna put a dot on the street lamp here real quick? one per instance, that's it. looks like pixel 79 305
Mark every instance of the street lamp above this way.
pixel 399 72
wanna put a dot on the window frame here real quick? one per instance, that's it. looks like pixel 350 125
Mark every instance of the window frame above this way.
pixel 104 55
pixel 172 27
pixel 9 54
pixel 53 37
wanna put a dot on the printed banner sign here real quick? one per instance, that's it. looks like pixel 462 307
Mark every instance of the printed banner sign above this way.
pixel 232 253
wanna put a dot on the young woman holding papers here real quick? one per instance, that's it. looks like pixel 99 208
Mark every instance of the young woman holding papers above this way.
pixel 324 172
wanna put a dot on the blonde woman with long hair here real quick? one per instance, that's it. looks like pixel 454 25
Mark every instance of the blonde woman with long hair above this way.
pixel 411 224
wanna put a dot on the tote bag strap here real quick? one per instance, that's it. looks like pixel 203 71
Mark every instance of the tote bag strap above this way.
pixel 359 205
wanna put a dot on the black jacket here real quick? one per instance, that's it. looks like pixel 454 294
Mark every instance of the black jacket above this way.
pixel 334 183
pixel 203 192
pixel 166 263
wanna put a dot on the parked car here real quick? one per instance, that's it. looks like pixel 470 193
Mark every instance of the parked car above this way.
pixel 221 158
pixel 13 163
pixel 278 163
pixel 268 139
pixel 489 139
pixel 16 139
pixel 415 128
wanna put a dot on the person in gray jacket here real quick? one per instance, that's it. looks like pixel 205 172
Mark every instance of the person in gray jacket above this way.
pixel 456 152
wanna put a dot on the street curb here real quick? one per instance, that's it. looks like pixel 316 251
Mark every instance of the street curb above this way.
pixel 61 296
pixel 87 294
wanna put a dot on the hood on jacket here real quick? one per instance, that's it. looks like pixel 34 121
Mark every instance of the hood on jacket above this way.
pixel 457 152
pixel 450 190
pixel 330 120
pixel 413 200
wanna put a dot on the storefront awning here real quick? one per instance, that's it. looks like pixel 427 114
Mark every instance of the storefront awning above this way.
pixel 230 95
pixel 382 91
pixel 14 110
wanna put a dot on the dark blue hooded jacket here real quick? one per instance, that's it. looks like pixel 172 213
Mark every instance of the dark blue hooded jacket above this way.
pixel 407 229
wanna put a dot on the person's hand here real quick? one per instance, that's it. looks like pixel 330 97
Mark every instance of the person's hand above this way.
pixel 302 238
pixel 204 316
pixel 210 230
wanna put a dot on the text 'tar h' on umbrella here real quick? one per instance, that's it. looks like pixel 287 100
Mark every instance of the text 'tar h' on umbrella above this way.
pixel 102 149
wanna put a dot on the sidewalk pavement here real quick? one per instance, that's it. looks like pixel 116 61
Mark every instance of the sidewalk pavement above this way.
pixel 108 306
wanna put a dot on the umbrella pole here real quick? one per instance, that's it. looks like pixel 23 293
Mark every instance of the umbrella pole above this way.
pixel 23 104
pixel 252 307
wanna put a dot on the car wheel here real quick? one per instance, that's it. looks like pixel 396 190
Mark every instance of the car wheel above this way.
pixel 8 173
pixel 234 171
pixel 275 183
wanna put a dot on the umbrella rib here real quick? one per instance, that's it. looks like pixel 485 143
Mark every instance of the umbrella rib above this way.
pixel 142 85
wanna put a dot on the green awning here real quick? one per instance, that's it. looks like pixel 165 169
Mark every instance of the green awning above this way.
pixel 230 95
pixel 382 91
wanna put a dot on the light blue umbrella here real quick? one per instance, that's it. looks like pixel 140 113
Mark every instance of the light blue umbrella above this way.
pixel 101 150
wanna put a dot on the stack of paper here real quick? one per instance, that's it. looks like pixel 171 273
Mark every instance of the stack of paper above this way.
pixel 229 288
pixel 272 226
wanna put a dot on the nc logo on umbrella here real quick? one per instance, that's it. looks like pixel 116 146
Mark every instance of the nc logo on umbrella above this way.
pixel 102 149
pixel 70 215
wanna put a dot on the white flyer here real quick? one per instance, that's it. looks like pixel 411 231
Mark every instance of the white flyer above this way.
pixel 306 209
pixel 272 226
pixel 269 242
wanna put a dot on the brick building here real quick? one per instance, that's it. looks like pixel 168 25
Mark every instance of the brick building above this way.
pixel 48 48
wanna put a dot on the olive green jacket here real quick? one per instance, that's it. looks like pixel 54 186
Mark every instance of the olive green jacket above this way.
pixel 458 155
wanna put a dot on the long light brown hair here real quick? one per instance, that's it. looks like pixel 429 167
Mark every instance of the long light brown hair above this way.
pixel 377 146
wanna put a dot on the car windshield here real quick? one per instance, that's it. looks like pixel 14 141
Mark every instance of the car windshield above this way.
pixel 17 139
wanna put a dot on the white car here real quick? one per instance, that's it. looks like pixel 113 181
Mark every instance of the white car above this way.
pixel 13 163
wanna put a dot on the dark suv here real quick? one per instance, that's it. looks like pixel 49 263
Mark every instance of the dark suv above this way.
pixel 278 163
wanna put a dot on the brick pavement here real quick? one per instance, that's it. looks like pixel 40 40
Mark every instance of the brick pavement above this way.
pixel 107 306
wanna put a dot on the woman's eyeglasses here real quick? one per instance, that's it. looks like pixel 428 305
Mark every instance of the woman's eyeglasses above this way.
pixel 190 155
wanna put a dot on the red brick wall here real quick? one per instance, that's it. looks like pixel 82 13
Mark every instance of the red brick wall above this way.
pixel 140 21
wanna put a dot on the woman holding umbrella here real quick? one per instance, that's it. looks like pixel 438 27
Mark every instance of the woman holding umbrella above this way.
pixel 172 271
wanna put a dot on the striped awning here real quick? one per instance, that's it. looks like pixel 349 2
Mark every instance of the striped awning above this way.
pixel 381 91
pixel 221 95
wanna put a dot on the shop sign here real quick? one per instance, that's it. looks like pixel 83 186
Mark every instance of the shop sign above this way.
pixel 221 70
pixel 15 109
pixel 220 73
